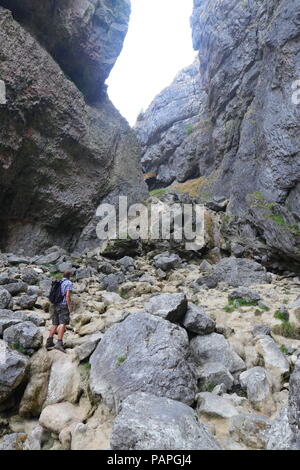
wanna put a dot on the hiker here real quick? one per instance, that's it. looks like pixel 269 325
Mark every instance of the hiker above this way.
pixel 60 296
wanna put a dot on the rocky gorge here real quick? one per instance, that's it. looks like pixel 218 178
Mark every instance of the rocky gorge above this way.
pixel 171 345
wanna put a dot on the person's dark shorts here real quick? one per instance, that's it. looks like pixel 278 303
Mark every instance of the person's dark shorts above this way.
pixel 61 315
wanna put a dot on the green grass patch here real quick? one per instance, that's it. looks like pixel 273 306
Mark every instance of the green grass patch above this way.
pixel 18 348
pixel 285 350
pixel 242 302
pixel 229 308
pixel 86 365
pixel 278 219
pixel 209 387
pixel 280 315
pixel 189 129
pixel 57 275
pixel 123 293
pixel 157 192
pixel 287 330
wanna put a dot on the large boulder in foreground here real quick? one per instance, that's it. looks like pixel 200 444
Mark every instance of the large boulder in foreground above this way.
pixel 236 272
pixel 13 368
pixel 143 353
pixel 147 422
pixel 84 36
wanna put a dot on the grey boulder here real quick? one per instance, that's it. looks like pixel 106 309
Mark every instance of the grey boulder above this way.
pixel 27 301
pixel 15 288
pixel 5 298
pixel 13 368
pixel 143 353
pixel 14 441
pixel 259 330
pixel 26 335
pixel 197 321
pixel 30 276
pixel 148 422
pixel 212 374
pixel 244 293
pixel 111 282
pixel 213 406
pixel 251 430
pixel 170 307
pixel 280 435
pixel 237 272
pixel 166 261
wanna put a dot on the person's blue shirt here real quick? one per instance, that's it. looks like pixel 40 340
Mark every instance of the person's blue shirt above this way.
pixel 66 285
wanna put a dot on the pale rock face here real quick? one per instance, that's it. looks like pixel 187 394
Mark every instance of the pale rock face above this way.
pixel 64 379
pixel 212 405
pixel 258 384
pixel 57 417
pixel 36 390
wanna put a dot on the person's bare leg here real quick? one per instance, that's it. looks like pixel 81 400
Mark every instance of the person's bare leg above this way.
pixel 61 331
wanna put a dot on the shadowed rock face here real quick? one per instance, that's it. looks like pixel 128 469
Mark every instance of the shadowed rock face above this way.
pixel 59 157
pixel 85 37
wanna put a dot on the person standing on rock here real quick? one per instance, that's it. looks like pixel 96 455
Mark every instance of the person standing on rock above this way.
pixel 62 310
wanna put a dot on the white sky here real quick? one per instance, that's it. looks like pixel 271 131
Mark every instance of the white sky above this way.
pixel 157 46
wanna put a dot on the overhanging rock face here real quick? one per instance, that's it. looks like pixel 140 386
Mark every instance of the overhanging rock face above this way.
pixel 85 37
pixel 59 157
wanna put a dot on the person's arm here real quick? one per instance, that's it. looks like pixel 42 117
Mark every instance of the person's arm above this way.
pixel 68 299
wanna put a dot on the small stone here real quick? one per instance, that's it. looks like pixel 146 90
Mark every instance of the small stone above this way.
pixel 197 321
pixel 172 307
pixel 150 422
pixel 212 405
pixel 166 261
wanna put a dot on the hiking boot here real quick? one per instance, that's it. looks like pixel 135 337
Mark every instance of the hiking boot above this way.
pixel 59 346
pixel 49 343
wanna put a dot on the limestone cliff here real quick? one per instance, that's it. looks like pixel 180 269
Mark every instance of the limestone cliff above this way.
pixel 244 137
pixel 60 156
pixel 249 61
